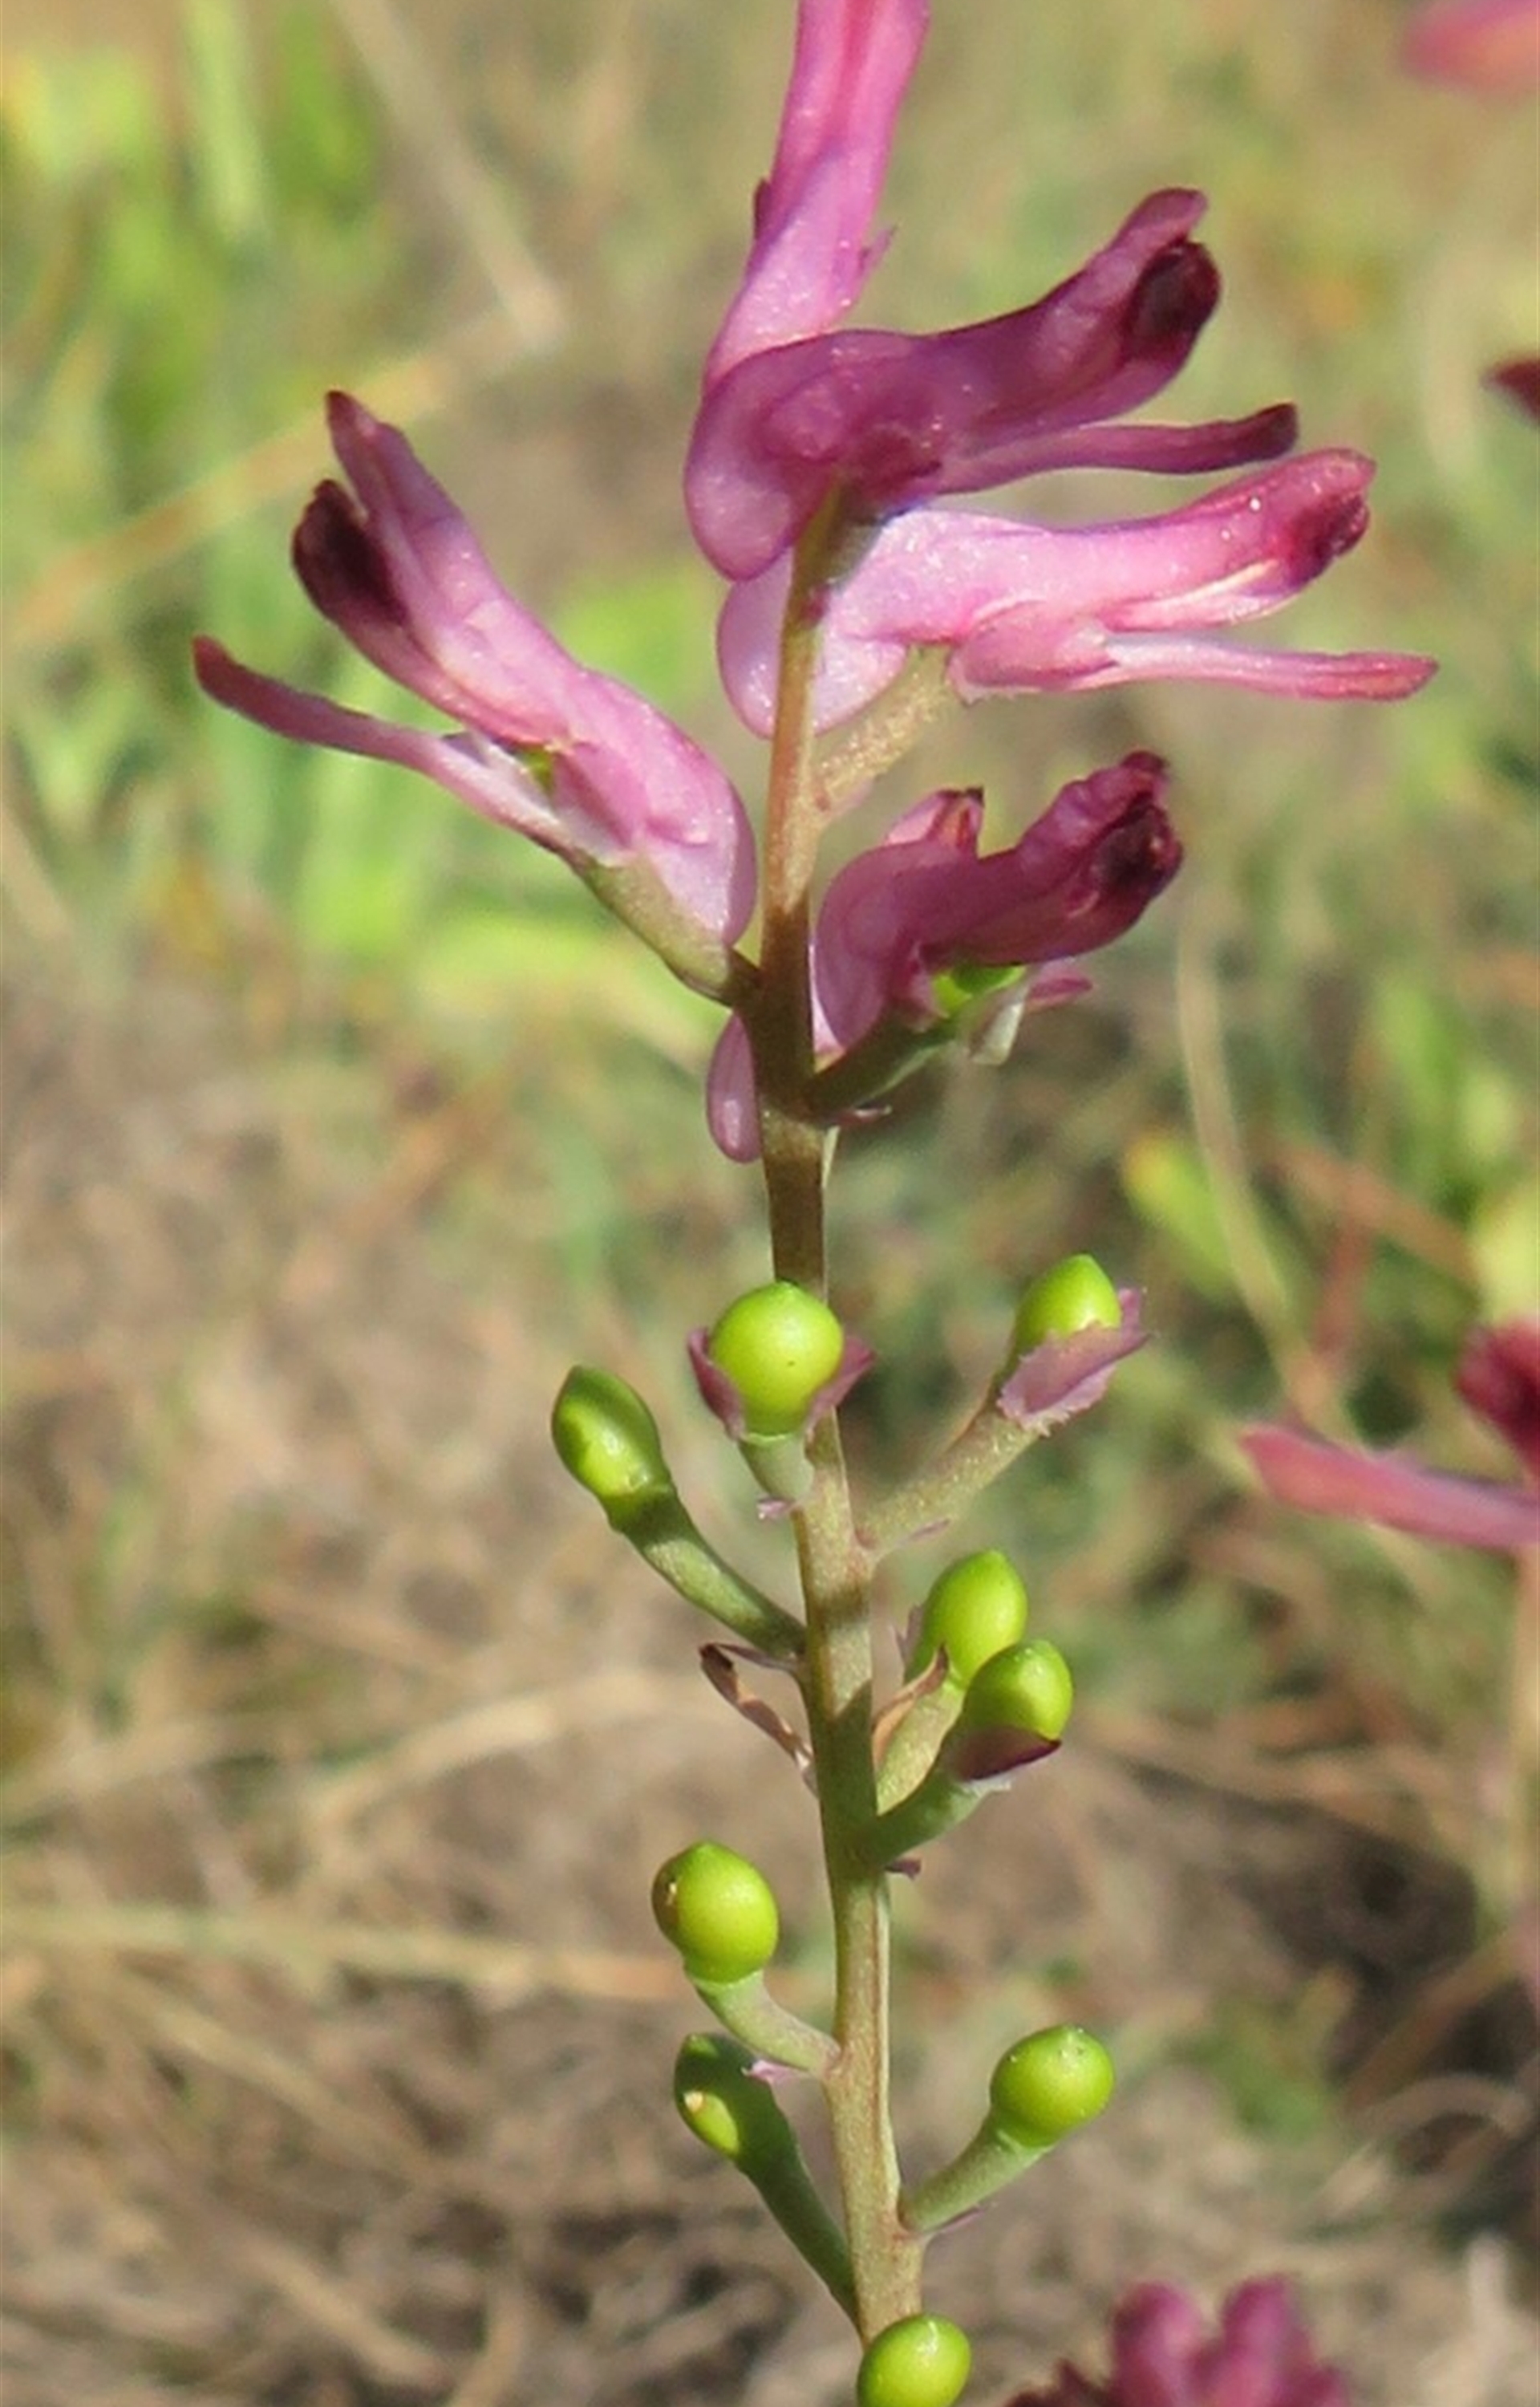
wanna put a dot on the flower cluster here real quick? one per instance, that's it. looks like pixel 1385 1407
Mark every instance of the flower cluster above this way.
pixel 862 436
pixel 827 479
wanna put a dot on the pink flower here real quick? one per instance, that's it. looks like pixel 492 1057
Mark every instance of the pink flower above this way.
pixel 812 252
pixel 1261 2356
pixel 1499 1376
pixel 924 906
pixel 575 760
pixel 924 901
pixel 1490 44
pixel 1017 607
pixel 892 419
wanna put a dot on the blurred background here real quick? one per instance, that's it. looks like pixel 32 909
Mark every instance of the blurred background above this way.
pixel 340 1738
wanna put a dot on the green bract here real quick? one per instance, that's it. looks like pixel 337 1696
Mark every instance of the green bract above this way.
pixel 608 1439
pixel 718 1911
pixel 1049 2085
pixel 1024 1687
pixel 977 1607
pixel 726 2104
pixel 778 1345
pixel 924 2361
pixel 1075 1294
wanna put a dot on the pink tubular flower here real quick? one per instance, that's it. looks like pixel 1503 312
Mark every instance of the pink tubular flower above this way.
pixel 1499 1378
pixel 924 904
pixel 1261 2356
pixel 573 759
pixel 1017 607
pixel 892 419
pixel 812 252
pixel 1490 44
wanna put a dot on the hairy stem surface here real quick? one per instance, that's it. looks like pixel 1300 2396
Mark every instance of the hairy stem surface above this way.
pixel 886 2258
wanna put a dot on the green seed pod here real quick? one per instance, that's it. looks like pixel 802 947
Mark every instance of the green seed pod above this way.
pixel 1075 1294
pixel 1047 2085
pixel 924 2361
pixel 718 1911
pixel 977 1607
pixel 778 1345
pixel 609 1441
pixel 1024 1687
pixel 726 2106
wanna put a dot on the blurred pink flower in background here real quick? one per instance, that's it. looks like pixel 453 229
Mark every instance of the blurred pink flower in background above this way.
pixel 1499 1378
pixel 1487 45
pixel 1261 2356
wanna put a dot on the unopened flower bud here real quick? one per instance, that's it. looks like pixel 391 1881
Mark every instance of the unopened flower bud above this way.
pixel 1026 1688
pixel 609 1441
pixel 779 1346
pixel 975 1608
pixel 1047 2085
pixel 718 1911
pixel 726 2104
pixel 924 2361
pixel 1075 1294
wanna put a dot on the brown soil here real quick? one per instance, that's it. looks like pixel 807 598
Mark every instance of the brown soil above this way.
pixel 314 1659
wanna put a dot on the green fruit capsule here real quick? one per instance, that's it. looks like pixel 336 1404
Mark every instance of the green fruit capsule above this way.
pixel 924 2361
pixel 726 2104
pixel 778 1345
pixel 608 1439
pixel 1047 2085
pixel 1075 1294
pixel 977 1607
pixel 1026 1688
pixel 718 1911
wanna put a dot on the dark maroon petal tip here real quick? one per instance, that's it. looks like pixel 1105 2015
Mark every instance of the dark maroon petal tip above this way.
pixel 1172 302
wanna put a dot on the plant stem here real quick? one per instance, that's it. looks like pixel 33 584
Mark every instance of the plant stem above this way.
pixel 886 2258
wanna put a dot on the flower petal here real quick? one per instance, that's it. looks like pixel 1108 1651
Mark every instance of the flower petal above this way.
pixel 811 254
pixel 892 418
pixel 1392 1491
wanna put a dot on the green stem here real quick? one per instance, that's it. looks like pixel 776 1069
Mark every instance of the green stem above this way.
pixel 984 2167
pixel 664 1535
pixel 936 1496
pixel 746 2009
pixel 885 2257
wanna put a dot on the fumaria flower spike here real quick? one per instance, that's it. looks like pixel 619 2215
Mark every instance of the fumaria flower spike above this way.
pixel 826 472
pixel 573 759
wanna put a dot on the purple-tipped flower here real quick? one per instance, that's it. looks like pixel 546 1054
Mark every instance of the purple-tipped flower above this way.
pixel 890 419
pixel 1261 2356
pixel 1499 1378
pixel 923 910
pixel 569 758
pixel 925 902
pixel 1016 607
